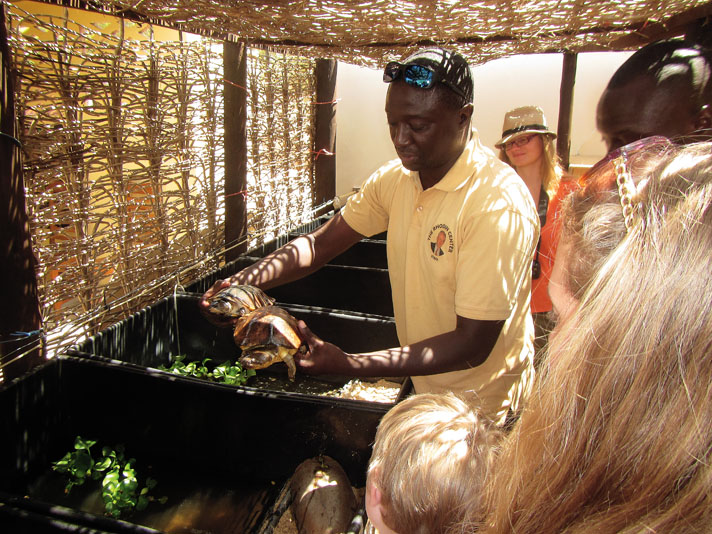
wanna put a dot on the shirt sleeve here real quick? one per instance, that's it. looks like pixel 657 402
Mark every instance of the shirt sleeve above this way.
pixel 367 211
pixel 494 265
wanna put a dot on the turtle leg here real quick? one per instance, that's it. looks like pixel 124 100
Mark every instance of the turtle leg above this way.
pixel 291 365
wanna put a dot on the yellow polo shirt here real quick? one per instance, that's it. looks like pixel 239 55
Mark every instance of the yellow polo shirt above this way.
pixel 462 247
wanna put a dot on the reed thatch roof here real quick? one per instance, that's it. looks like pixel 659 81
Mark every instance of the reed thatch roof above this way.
pixel 367 32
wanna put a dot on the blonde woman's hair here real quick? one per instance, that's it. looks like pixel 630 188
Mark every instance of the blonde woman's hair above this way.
pixel 430 460
pixel 617 437
pixel 551 169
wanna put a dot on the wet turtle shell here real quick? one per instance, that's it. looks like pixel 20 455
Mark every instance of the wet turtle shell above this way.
pixel 268 335
pixel 324 500
pixel 231 303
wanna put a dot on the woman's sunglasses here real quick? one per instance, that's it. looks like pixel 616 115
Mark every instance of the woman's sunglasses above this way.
pixel 647 145
pixel 519 141
pixel 623 169
pixel 419 76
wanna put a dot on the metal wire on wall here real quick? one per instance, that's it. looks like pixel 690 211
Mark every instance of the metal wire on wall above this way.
pixel 123 157
pixel 279 143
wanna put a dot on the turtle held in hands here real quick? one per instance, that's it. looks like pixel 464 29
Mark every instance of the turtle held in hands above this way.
pixel 231 303
pixel 268 335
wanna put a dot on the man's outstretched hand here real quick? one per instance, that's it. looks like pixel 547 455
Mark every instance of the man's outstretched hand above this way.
pixel 217 286
pixel 321 357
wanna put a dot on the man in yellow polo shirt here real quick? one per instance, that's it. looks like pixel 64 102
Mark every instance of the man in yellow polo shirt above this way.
pixel 461 235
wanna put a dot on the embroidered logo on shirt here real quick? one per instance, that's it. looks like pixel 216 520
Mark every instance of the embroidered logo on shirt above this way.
pixel 440 241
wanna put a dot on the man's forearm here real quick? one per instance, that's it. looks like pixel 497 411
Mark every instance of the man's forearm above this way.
pixel 292 261
pixel 301 256
pixel 440 354
pixel 462 348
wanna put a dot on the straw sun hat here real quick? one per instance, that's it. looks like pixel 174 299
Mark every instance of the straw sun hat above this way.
pixel 522 121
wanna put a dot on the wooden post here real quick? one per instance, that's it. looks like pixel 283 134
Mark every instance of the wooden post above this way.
pixel 566 105
pixel 20 311
pixel 325 133
pixel 235 117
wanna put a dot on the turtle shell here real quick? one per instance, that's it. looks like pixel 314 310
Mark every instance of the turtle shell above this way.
pixel 266 336
pixel 267 326
pixel 231 303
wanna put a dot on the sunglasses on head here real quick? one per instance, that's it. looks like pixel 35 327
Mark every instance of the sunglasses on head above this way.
pixel 420 76
pixel 647 145
pixel 623 169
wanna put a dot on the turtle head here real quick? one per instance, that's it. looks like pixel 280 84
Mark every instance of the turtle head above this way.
pixel 259 357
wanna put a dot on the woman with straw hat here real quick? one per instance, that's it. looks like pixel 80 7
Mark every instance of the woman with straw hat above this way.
pixel 527 144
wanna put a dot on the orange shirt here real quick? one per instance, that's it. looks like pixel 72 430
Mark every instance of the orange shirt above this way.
pixel 547 250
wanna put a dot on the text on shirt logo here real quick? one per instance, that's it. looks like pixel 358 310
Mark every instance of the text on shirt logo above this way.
pixel 440 241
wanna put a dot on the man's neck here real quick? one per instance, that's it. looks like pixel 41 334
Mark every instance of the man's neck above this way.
pixel 428 181
pixel 432 176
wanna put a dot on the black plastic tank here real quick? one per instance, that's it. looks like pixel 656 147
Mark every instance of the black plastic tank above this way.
pixel 220 455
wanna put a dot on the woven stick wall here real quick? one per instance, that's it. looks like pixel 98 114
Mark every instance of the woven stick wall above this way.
pixel 281 99
pixel 123 161
pixel 371 32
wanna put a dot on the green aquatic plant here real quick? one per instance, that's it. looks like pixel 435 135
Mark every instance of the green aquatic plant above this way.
pixel 78 464
pixel 231 373
pixel 120 489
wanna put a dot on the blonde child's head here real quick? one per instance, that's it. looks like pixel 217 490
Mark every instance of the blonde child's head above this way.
pixel 430 460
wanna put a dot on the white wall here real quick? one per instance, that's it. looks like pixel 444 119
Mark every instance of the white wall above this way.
pixel 363 143
pixel 362 139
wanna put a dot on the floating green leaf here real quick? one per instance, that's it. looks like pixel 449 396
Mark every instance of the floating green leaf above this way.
pixel 120 488
pixel 231 373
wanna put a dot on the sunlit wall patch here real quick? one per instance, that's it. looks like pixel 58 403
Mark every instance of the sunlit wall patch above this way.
pixel 440 241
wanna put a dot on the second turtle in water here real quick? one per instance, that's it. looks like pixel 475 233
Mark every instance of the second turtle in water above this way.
pixel 268 335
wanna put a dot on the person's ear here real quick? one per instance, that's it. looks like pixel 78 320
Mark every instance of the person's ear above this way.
pixel 466 113
pixel 374 508
pixel 373 493
pixel 703 121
